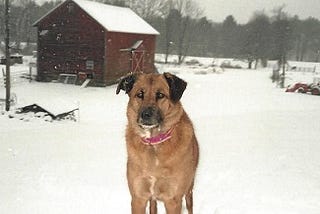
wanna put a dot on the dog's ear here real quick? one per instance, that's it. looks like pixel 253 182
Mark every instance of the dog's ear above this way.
pixel 176 86
pixel 126 83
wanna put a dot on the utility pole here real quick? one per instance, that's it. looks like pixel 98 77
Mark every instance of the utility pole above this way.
pixel 7 41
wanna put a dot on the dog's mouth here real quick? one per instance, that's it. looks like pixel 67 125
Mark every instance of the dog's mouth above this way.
pixel 149 126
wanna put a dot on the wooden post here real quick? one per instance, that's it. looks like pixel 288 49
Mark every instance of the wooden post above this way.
pixel 283 75
pixel 4 77
pixel 7 40
pixel 30 73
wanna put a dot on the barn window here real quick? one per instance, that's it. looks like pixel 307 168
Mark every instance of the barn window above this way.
pixel 89 65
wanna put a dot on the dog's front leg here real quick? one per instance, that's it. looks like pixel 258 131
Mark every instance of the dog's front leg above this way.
pixel 173 205
pixel 138 205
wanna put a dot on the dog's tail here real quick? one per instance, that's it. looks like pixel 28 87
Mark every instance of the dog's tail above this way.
pixel 153 206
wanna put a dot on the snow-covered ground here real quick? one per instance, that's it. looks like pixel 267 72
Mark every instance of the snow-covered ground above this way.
pixel 260 147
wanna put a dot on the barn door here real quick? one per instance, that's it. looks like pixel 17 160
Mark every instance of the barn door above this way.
pixel 137 63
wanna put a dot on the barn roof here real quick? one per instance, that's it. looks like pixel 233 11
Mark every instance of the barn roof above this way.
pixel 112 18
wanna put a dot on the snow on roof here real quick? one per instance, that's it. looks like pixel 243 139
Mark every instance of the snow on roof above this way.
pixel 113 18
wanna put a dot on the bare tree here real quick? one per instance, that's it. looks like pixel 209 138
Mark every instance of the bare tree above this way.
pixel 121 3
pixel 282 36
pixel 188 9
pixel 177 22
pixel 169 18
pixel 148 8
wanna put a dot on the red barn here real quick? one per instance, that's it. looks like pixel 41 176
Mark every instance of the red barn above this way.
pixel 87 39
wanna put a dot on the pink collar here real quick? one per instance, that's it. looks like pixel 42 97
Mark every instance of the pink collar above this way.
pixel 162 137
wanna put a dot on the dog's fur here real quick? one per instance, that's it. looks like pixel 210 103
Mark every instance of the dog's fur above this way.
pixel 164 171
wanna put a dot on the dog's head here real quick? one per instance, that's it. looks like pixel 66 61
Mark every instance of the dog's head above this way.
pixel 154 99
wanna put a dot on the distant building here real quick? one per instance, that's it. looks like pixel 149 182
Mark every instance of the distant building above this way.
pixel 93 40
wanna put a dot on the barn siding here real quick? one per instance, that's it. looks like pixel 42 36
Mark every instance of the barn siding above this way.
pixel 72 39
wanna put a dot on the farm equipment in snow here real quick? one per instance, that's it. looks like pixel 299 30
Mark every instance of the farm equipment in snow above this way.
pixel 312 88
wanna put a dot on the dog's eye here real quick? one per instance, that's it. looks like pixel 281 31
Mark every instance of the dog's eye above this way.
pixel 159 95
pixel 140 95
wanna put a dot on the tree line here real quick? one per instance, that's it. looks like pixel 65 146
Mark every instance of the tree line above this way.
pixel 184 30
pixel 23 13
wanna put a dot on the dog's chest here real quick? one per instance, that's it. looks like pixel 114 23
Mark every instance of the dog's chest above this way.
pixel 156 187
pixel 155 155
pixel 154 169
pixel 151 157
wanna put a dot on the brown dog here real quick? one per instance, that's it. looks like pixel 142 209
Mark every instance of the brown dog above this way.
pixel 161 144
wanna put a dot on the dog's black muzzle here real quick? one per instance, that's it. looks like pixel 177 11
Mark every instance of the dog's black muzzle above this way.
pixel 149 116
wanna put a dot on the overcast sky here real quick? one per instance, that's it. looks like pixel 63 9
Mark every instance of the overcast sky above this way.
pixel 242 10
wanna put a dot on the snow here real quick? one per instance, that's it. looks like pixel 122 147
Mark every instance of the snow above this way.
pixel 259 147
pixel 114 18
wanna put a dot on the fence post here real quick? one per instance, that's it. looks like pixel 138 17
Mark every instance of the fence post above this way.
pixel 7 40
pixel 30 73
pixel 4 77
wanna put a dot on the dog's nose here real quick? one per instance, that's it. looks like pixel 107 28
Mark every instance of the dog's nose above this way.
pixel 147 113
pixel 149 116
